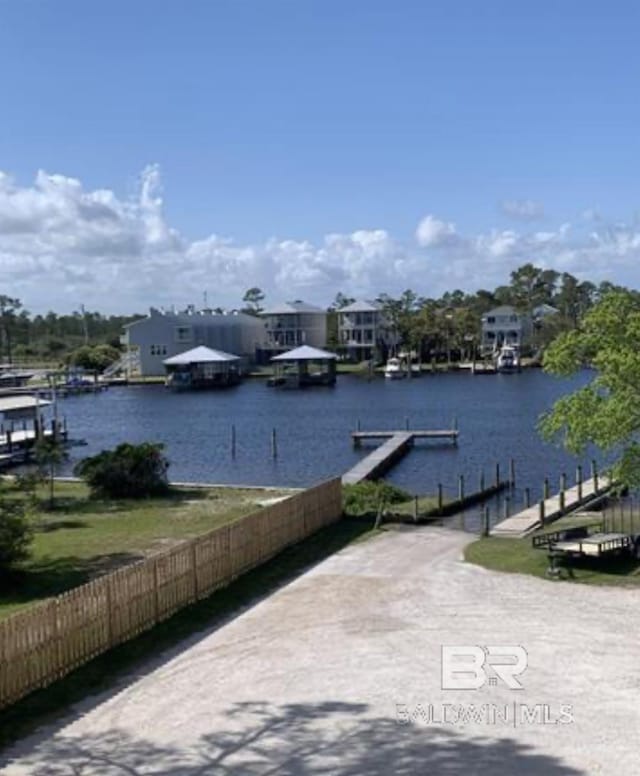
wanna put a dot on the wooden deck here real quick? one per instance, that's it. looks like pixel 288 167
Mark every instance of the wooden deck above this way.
pixel 383 457
pixel 529 519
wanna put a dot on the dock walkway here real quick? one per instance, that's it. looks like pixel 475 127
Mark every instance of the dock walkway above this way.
pixel 383 457
pixel 531 518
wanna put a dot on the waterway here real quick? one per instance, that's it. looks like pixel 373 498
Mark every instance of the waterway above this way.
pixel 497 417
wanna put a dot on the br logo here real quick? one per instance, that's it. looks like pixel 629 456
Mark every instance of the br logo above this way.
pixel 470 667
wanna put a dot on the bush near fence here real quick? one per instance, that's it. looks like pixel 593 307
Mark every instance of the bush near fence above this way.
pixel 49 640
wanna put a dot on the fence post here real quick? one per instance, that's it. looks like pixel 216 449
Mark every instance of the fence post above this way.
pixel 109 603
pixel 542 513
pixel 485 521
pixel 195 570
pixel 156 591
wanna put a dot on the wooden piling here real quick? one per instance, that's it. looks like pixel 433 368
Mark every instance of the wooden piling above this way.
pixel 233 441
pixel 461 487
pixel 579 481
pixel 545 489
pixel 497 474
pixel 440 497
pixel 274 444
pixel 512 473
pixel 485 521
pixel 527 498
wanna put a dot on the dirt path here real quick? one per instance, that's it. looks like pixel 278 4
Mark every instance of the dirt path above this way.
pixel 324 676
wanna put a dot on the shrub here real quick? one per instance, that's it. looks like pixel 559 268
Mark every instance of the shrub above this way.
pixel 15 534
pixel 366 497
pixel 129 471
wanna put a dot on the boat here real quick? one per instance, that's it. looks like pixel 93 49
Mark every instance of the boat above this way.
pixel 508 359
pixel 395 369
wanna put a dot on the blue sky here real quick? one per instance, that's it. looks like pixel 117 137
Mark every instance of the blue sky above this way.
pixel 273 124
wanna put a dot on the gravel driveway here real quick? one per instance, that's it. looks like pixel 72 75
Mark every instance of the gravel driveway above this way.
pixel 340 672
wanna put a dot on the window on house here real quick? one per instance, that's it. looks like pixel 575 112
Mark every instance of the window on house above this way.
pixel 183 334
pixel 491 319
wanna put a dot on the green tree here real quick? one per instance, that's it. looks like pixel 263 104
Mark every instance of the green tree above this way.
pixel 253 298
pixel 50 453
pixel 15 533
pixel 129 471
pixel 606 412
pixel 9 306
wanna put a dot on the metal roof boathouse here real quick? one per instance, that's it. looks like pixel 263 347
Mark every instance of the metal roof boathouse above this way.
pixel 202 367
pixel 304 366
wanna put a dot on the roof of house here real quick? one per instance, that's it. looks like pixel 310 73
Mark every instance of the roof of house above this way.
pixel 198 317
pixel 504 309
pixel 361 306
pixel 305 353
pixel 200 355
pixel 18 403
pixel 292 307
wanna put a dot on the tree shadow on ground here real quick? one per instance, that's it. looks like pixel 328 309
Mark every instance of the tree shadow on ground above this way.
pixel 53 576
pixel 341 739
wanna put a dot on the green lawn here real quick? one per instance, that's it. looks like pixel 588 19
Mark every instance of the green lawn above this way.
pixel 83 537
pixel 519 557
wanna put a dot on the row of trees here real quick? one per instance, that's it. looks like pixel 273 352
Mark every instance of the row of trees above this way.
pixel 450 322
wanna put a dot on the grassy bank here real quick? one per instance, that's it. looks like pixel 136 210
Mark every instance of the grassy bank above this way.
pixel 109 670
pixel 517 556
pixel 82 537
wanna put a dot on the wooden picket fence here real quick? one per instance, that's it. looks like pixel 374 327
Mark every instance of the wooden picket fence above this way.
pixel 50 639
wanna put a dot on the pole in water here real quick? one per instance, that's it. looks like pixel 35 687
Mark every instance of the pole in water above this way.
pixel 406 423
pixel 506 507
pixel 233 441
pixel 527 498
pixel 358 424
pixel 542 513
pixel 415 509
pixel 461 487
pixel 545 489
pixel 274 444
pixel 579 481
pixel 440 498
pixel 497 475
pixel 482 481
pixel 512 473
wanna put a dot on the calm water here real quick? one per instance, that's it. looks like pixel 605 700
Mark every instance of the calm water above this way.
pixel 496 415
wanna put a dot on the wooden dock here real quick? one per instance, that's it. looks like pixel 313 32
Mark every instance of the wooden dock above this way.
pixel 552 508
pixel 383 457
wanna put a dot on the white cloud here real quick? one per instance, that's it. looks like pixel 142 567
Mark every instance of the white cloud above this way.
pixel 523 209
pixel 431 232
pixel 61 245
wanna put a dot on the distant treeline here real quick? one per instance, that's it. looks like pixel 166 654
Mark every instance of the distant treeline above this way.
pixel 428 325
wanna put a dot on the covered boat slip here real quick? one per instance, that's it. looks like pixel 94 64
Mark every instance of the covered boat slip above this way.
pixel 21 425
pixel 202 367
pixel 302 367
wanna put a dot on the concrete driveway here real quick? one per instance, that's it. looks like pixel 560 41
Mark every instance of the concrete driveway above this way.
pixel 340 673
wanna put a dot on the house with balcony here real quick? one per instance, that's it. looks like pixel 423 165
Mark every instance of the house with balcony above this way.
pixel 364 331
pixel 292 324
pixel 504 325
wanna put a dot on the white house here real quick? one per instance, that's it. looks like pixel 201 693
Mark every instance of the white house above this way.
pixel 504 326
pixel 362 328
pixel 292 324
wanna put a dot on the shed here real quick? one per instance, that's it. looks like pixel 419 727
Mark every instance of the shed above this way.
pixel 202 367
pixel 304 366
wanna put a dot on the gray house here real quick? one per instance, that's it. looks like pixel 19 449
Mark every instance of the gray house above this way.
pixel 363 328
pixel 504 326
pixel 292 324
pixel 161 335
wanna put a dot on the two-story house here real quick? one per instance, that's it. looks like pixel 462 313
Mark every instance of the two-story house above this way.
pixel 504 326
pixel 364 331
pixel 292 324
pixel 164 334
